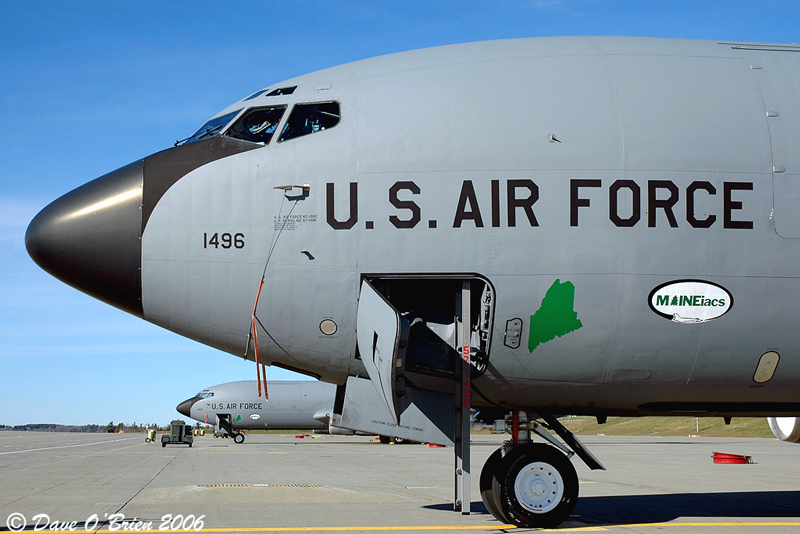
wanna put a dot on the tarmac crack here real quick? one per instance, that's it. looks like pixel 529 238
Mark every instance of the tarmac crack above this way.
pixel 101 525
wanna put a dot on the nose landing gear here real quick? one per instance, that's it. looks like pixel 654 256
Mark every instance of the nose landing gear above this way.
pixel 226 429
pixel 533 485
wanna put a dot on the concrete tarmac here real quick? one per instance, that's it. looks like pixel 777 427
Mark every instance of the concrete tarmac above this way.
pixel 278 483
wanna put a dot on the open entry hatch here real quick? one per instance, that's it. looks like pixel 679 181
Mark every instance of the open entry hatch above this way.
pixel 382 339
pixel 410 333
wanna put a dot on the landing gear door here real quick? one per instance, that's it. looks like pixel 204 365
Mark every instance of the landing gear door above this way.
pixel 382 339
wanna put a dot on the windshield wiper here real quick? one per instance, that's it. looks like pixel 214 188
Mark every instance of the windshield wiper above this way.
pixel 209 131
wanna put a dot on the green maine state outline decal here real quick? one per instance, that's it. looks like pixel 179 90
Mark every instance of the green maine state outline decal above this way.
pixel 556 316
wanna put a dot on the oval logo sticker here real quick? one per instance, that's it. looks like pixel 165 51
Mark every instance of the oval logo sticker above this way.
pixel 254 416
pixel 690 301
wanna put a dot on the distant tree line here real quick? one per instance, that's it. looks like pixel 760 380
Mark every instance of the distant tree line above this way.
pixel 111 427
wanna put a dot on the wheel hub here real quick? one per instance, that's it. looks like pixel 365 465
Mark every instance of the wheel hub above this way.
pixel 539 487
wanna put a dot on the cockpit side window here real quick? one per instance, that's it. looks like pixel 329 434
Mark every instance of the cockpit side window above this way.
pixel 283 91
pixel 310 118
pixel 255 95
pixel 275 92
pixel 257 125
pixel 211 128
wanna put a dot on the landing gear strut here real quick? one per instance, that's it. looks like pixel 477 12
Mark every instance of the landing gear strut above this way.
pixel 226 429
pixel 534 484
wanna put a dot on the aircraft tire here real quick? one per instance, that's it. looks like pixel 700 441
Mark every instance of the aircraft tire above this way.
pixel 163 444
pixel 238 438
pixel 537 486
pixel 385 440
pixel 487 482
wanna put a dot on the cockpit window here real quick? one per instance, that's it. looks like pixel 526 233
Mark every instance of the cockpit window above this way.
pixel 276 92
pixel 257 125
pixel 211 128
pixel 255 95
pixel 283 91
pixel 310 118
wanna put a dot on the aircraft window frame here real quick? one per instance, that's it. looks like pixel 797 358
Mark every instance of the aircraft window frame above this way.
pixel 293 130
pixel 281 91
pixel 256 94
pixel 212 127
pixel 262 132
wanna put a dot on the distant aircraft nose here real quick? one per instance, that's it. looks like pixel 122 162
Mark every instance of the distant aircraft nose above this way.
pixel 90 238
pixel 185 408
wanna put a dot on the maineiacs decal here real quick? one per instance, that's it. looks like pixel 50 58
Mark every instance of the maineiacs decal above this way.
pixel 690 301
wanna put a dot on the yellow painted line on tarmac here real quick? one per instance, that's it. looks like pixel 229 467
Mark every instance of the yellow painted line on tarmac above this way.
pixel 394 528
pixel 362 529
pixel 720 524
pixel 105 528
pixel 494 527
pixel 586 528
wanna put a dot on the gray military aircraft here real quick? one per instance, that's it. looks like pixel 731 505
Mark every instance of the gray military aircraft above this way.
pixel 580 225
pixel 292 404
pixel 234 406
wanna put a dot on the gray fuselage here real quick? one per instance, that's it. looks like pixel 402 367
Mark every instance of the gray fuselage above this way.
pixel 291 404
pixel 581 180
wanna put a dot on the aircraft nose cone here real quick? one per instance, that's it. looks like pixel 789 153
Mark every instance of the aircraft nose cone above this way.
pixel 90 238
pixel 185 408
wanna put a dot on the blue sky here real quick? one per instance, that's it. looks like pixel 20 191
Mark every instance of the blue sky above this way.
pixel 86 87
